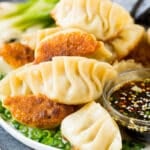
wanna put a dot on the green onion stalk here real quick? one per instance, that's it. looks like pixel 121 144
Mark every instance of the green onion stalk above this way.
pixel 23 16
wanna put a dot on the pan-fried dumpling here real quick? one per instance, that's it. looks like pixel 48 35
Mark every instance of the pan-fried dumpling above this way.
pixel 105 19
pixel 100 17
pixel 68 80
pixel 71 42
pixel 16 54
pixel 91 128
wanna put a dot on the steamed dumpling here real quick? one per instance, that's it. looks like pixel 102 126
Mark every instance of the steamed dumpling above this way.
pixel 32 39
pixel 141 52
pixel 100 17
pixel 68 80
pixel 126 65
pixel 4 66
pixel 126 41
pixel 148 35
pixel 91 128
pixel 71 42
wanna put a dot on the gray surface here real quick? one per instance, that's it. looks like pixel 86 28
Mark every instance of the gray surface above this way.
pixel 128 4
pixel 9 143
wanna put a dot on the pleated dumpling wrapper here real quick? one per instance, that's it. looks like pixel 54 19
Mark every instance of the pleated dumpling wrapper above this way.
pixel 68 80
pixel 91 128
pixel 108 21
pixel 32 39
pixel 100 18
pixel 71 42
pixel 127 65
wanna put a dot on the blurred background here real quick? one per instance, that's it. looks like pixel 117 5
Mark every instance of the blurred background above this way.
pixel 139 9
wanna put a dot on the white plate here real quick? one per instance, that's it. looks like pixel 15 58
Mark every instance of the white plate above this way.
pixel 30 143
pixel 20 137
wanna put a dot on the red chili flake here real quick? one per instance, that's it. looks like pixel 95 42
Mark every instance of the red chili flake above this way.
pixel 131 102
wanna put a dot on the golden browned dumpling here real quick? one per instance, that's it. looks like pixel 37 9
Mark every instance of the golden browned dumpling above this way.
pixel 16 54
pixel 37 111
pixel 71 42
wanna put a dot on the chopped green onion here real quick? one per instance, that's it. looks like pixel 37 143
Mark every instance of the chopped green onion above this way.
pixel 2 75
pixel 36 134
pixel 58 143
pixel 7 114
pixel 23 129
pixel 58 135
pixel 16 124
pixel 46 133
pixel 67 146
pixel 4 117
pixel 2 109
pixel 131 145
pixel 47 140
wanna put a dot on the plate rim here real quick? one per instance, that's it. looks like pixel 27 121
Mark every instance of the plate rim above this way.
pixel 29 142
pixel 23 139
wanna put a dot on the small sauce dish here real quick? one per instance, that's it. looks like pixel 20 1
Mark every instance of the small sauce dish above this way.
pixel 127 99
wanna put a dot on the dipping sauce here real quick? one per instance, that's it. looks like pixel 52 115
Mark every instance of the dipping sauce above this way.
pixel 132 99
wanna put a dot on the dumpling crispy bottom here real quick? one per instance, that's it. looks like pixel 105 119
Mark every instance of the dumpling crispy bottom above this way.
pixel 37 111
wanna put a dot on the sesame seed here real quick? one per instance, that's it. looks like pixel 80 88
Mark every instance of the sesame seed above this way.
pixel 133 99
